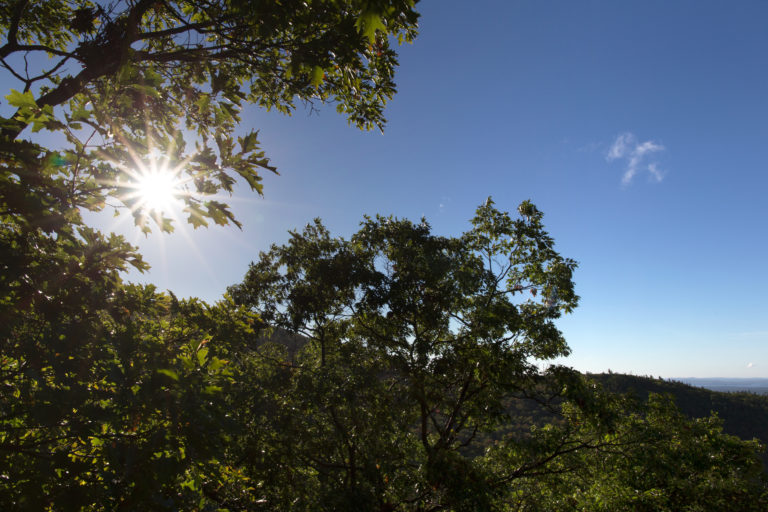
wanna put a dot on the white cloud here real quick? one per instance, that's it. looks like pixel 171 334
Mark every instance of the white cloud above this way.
pixel 620 146
pixel 750 365
pixel 627 148
pixel 657 174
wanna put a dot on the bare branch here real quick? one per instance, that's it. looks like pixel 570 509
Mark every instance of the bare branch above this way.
pixel 13 71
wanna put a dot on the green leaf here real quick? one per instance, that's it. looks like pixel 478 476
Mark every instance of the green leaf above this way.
pixel 80 114
pixel 21 99
pixel 253 179
pixel 219 213
pixel 367 24
pixel 215 364
pixel 249 142
pixel 169 373
pixel 145 89
pixel 202 355
pixel 211 390
pixel 317 76
pixel 196 216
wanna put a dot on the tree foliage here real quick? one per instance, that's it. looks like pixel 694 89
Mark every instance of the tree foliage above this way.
pixel 112 393
pixel 653 458
pixel 143 83
pixel 414 346
pixel 414 340
pixel 386 384
pixel 395 370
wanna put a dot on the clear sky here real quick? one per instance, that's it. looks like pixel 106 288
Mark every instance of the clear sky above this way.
pixel 640 129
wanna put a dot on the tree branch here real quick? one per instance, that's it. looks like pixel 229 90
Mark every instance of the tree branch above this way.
pixel 13 29
pixel 5 51
pixel 94 69
pixel 175 30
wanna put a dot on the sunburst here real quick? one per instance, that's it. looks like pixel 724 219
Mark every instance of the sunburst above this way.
pixel 158 190
pixel 155 188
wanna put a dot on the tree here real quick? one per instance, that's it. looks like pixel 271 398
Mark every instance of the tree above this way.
pixel 414 341
pixel 129 84
pixel 418 353
pixel 112 394
pixel 652 458
pixel 411 345
pixel 393 393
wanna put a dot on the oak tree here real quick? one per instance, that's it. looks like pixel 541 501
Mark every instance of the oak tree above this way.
pixel 139 84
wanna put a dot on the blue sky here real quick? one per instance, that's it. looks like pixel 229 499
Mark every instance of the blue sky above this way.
pixel 639 128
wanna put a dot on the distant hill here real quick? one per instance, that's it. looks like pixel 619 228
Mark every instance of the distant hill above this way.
pixel 753 385
pixel 743 414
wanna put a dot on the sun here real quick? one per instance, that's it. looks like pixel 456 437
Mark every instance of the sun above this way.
pixel 157 189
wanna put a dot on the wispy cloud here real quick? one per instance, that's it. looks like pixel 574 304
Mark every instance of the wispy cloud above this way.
pixel 444 202
pixel 750 365
pixel 620 146
pixel 635 154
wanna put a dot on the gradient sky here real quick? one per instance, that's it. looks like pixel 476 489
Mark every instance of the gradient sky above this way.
pixel 640 129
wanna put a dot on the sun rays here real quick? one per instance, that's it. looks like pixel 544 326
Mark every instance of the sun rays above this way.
pixel 157 189
pixel 153 187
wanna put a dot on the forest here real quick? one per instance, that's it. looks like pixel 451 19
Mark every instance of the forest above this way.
pixel 394 369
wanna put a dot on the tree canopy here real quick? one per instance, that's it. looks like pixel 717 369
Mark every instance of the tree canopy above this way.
pixel 422 356
pixel 141 83
pixel 394 370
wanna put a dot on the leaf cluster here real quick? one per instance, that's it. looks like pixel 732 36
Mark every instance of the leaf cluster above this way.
pixel 137 83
